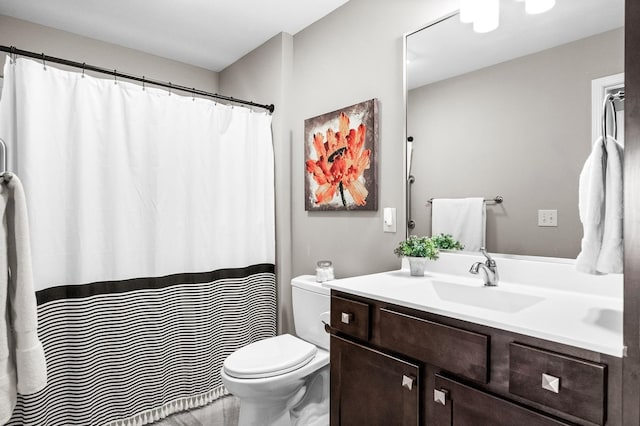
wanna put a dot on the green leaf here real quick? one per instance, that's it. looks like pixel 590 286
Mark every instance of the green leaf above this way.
pixel 415 246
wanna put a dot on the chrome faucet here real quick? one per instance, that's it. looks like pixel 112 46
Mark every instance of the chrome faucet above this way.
pixel 489 269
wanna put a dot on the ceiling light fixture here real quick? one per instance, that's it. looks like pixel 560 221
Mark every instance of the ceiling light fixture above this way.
pixel 485 14
pixel 467 11
pixel 538 6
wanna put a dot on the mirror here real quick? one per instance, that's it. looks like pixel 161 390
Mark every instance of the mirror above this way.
pixel 511 113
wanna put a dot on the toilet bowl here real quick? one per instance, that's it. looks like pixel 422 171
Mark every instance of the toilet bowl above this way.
pixel 283 379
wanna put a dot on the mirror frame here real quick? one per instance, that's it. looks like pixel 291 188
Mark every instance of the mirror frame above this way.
pixel 631 324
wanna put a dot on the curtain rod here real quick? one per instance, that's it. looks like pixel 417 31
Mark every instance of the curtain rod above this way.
pixel 15 51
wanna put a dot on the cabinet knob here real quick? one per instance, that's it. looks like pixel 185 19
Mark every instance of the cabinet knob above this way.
pixel 346 317
pixel 550 383
pixel 407 382
pixel 440 396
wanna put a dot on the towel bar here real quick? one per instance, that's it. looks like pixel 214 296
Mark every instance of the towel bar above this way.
pixel 497 200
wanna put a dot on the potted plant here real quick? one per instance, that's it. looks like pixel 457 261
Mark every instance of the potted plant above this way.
pixel 446 242
pixel 418 250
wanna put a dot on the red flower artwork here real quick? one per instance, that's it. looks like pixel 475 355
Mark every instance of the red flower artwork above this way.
pixel 341 162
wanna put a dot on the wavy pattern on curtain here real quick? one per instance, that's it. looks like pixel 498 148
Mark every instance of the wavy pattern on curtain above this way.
pixel 153 239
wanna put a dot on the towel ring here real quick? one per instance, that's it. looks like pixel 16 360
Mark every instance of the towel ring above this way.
pixel 609 100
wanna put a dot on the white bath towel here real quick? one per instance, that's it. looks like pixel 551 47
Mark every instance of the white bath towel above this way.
pixel 611 259
pixel 601 210
pixel 463 218
pixel 591 209
pixel 22 360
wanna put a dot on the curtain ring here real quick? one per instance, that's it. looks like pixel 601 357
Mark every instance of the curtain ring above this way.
pixel 12 55
pixel 170 87
pixel 44 65
pixel 143 83
pixel 115 76
pixel 83 65
pixel 193 94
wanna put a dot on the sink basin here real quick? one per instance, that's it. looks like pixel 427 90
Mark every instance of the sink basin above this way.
pixel 492 298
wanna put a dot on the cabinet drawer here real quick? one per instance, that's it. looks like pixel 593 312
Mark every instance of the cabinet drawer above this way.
pixel 350 317
pixel 458 351
pixel 562 382
pixel 457 404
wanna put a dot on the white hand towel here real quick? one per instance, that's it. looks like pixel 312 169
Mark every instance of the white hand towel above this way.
pixel 590 207
pixel 601 210
pixel 610 259
pixel 463 218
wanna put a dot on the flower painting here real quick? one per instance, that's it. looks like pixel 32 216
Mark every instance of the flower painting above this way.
pixel 340 159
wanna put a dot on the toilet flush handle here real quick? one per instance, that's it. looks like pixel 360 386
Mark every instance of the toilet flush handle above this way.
pixel 325 318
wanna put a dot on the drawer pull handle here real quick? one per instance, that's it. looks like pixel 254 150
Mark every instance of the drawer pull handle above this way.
pixel 346 317
pixel 440 396
pixel 407 382
pixel 550 383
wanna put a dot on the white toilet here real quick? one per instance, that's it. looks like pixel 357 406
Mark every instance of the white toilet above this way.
pixel 284 380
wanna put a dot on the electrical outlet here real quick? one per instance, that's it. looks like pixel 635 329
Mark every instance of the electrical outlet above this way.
pixel 547 217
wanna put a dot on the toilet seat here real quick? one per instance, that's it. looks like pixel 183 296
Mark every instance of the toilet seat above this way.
pixel 269 357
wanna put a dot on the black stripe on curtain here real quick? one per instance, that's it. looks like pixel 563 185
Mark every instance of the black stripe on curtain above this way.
pixel 111 287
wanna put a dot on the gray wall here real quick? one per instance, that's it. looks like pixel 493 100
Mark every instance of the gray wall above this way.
pixel 352 55
pixel 520 129
pixel 38 38
pixel 263 76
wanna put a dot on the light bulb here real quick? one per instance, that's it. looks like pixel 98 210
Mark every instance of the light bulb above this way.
pixel 487 16
pixel 538 6
pixel 467 11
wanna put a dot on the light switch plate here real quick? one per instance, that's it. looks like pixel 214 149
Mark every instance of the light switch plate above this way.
pixel 389 219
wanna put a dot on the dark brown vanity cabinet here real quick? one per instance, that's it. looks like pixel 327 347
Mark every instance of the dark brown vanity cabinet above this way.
pixel 369 387
pixel 392 365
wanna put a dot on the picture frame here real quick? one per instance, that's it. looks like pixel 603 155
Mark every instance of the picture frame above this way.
pixel 341 159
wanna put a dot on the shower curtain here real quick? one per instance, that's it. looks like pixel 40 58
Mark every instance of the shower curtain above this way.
pixel 153 239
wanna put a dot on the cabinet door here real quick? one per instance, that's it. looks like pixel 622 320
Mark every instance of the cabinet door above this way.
pixel 456 404
pixel 371 388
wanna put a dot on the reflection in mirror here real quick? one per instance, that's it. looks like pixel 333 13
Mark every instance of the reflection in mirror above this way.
pixel 509 113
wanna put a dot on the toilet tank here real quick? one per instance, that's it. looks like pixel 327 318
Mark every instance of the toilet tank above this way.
pixel 311 304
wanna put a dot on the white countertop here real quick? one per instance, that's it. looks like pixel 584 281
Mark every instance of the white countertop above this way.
pixel 584 319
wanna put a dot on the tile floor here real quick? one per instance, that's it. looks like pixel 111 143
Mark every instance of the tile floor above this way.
pixel 223 412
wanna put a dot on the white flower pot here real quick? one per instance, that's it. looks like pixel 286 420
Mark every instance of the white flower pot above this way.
pixel 417 265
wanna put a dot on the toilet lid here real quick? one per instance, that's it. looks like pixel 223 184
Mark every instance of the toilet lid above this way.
pixel 269 357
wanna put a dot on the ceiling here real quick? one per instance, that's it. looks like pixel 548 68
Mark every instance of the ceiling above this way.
pixel 207 33
pixel 451 48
